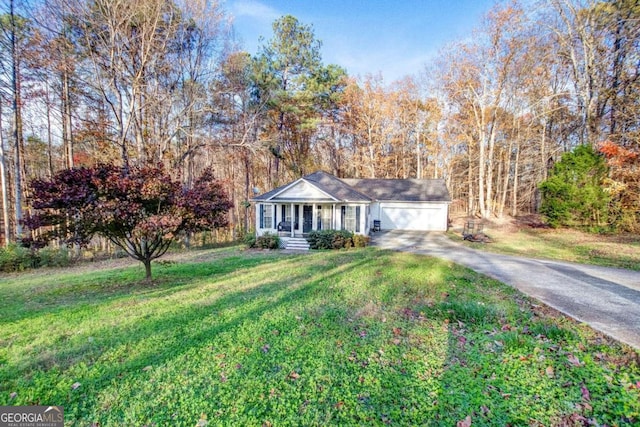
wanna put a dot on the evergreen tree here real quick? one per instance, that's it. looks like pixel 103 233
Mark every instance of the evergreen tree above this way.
pixel 574 194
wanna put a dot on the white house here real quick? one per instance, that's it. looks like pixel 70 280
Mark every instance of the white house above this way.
pixel 320 201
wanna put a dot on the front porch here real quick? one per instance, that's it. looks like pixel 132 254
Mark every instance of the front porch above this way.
pixel 299 219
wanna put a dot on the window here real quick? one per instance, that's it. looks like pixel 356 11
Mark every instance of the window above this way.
pixel 349 218
pixel 327 218
pixel 286 213
pixel 267 216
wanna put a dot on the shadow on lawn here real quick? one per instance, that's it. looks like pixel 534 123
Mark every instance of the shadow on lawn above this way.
pixel 337 353
pixel 182 329
pixel 58 293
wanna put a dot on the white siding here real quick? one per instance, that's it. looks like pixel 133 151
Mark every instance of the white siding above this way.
pixel 301 191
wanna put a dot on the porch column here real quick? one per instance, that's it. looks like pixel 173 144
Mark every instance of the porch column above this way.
pixel 293 221
pixel 333 217
pixel 313 217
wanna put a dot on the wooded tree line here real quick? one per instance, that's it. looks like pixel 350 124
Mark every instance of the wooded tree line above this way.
pixel 164 82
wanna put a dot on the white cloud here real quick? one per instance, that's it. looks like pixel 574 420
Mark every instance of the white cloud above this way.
pixel 254 10
pixel 393 62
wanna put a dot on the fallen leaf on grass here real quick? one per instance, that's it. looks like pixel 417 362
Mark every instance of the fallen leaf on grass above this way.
pixel 294 375
pixel 265 348
pixel 202 422
pixel 585 393
pixel 397 331
pixel 464 423
pixel 574 360
pixel 147 368
pixel 13 395
pixel 75 385
pixel 549 371
pixel 339 405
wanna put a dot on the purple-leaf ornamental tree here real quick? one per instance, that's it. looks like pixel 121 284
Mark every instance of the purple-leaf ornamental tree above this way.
pixel 140 209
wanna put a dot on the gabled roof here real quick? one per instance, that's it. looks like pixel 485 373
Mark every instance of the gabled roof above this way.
pixel 368 190
pixel 336 187
pixel 403 190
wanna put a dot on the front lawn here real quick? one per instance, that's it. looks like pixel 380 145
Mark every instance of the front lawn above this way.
pixel 358 337
pixel 621 250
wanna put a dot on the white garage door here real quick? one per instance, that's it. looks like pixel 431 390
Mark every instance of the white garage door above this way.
pixel 414 218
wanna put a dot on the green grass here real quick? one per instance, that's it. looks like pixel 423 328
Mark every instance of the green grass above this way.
pixel 622 251
pixel 358 337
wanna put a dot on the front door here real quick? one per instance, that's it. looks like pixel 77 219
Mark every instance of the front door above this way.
pixel 307 218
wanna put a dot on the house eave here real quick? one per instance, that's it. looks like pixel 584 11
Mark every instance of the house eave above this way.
pixel 412 201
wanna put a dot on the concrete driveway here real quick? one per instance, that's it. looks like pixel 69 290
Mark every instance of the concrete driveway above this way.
pixel 608 299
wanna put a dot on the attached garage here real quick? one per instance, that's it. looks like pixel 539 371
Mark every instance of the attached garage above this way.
pixel 423 217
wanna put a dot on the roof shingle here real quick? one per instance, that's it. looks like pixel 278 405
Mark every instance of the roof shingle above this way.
pixel 367 190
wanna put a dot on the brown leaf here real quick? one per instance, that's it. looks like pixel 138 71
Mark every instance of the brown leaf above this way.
pixel 585 393
pixel 574 360
pixel 549 371
pixel 339 405
pixel 397 331
pixel 294 375
pixel 464 423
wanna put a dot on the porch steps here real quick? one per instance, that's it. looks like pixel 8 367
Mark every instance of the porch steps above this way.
pixel 297 244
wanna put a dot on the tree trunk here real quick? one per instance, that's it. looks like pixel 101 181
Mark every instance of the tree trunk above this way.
pixel 67 132
pixel 17 122
pixel 514 189
pixel 49 135
pixel 470 209
pixel 489 208
pixel 147 269
pixel 5 187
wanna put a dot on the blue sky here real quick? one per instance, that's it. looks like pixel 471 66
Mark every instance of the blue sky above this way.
pixel 395 38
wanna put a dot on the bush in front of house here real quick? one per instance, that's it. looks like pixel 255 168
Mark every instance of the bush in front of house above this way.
pixel 249 239
pixel 360 241
pixel 336 239
pixel 266 241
